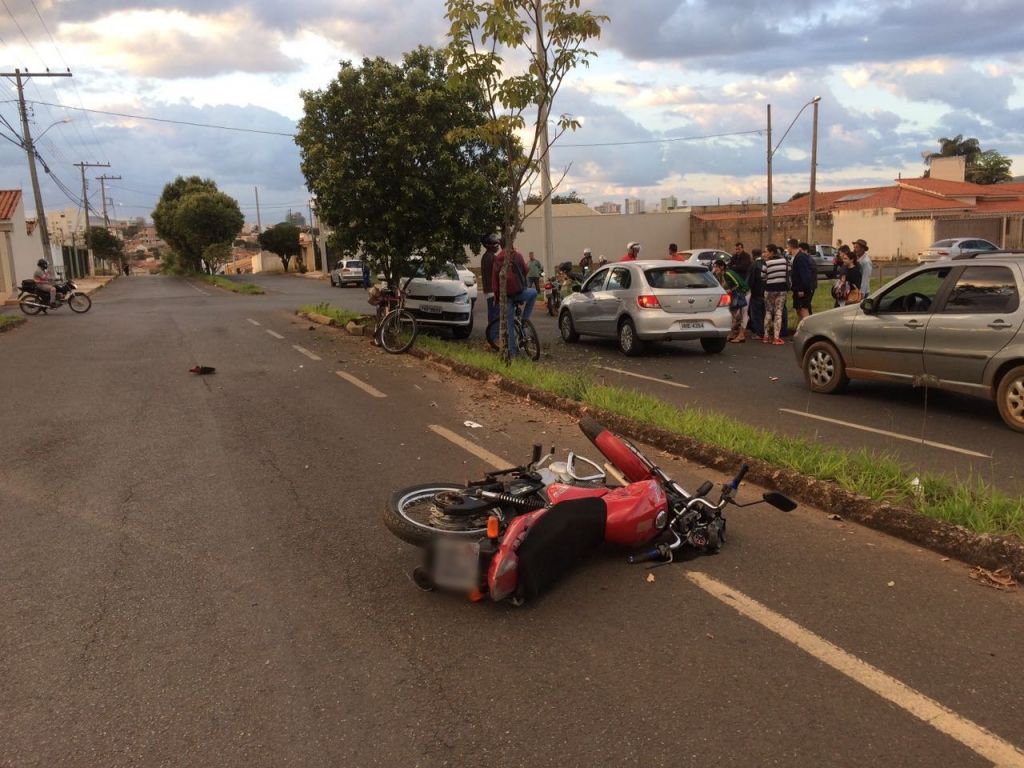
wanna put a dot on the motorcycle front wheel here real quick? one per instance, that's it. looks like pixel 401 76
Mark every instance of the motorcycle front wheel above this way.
pixel 79 302
pixel 415 514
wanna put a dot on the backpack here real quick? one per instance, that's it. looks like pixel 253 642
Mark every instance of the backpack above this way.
pixel 739 285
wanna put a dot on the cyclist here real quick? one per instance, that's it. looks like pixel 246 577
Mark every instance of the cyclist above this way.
pixel 516 287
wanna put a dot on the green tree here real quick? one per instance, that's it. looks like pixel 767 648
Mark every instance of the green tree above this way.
pixel 296 218
pixel 958 146
pixel 518 52
pixel 569 197
pixel 281 239
pixel 192 215
pixel 991 167
pixel 106 245
pixel 383 150
pixel 217 255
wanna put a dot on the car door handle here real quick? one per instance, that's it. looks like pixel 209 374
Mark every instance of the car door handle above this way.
pixel 914 324
pixel 999 325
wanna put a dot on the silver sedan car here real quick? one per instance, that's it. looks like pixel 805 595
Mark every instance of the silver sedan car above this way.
pixel 640 301
pixel 954 325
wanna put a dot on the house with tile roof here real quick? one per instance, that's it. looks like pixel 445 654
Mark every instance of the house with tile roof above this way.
pixel 19 250
pixel 897 221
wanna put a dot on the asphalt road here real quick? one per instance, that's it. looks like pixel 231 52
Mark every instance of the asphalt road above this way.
pixel 926 430
pixel 195 573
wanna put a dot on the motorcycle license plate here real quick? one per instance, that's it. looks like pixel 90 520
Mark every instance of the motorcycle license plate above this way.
pixel 431 309
pixel 685 324
pixel 457 564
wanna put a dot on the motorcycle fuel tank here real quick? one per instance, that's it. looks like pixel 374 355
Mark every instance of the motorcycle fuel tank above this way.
pixel 632 509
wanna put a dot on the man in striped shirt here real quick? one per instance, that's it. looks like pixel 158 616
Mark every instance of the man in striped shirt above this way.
pixel 775 273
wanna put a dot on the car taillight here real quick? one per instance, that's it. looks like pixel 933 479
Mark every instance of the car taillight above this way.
pixel 648 302
pixel 724 301
pixel 943 253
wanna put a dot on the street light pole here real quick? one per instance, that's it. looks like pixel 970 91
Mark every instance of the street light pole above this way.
pixel 772 151
pixel 771 211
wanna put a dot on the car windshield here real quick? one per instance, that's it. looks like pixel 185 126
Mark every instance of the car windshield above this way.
pixel 354 264
pixel 443 272
pixel 679 277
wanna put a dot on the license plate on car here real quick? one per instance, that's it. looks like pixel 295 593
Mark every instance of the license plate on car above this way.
pixel 457 564
pixel 685 324
pixel 431 309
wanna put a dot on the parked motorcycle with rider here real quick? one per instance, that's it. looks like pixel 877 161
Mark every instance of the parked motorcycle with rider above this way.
pixel 515 532
pixel 32 299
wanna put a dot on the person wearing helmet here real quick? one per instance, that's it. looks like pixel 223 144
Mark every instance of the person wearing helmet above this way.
pixel 587 262
pixel 632 252
pixel 490 243
pixel 44 281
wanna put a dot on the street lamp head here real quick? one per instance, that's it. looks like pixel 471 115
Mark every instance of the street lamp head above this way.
pixel 816 99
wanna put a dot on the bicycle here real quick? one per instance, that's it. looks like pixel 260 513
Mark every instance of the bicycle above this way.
pixel 525 334
pixel 396 328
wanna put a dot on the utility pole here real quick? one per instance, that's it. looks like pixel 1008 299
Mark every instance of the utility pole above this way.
pixel 814 175
pixel 85 202
pixel 771 213
pixel 20 79
pixel 103 196
pixel 259 226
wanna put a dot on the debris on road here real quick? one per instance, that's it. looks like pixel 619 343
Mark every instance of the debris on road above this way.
pixel 891 584
pixel 650 578
pixel 773 378
pixel 835 517
pixel 997 579
pixel 472 424
pixel 201 370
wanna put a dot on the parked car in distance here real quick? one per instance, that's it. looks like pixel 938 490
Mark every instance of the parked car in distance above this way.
pixel 954 325
pixel 348 272
pixel 441 300
pixel 637 302
pixel 824 258
pixel 953 247
pixel 705 256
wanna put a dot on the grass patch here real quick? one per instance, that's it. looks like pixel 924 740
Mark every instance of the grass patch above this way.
pixel 7 322
pixel 339 317
pixel 974 504
pixel 230 285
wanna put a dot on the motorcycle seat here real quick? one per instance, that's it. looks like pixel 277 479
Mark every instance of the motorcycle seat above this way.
pixel 558 540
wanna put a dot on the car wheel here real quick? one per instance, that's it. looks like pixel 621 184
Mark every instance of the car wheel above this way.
pixel 1010 398
pixel 713 344
pixel 629 342
pixel 333 284
pixel 824 369
pixel 567 329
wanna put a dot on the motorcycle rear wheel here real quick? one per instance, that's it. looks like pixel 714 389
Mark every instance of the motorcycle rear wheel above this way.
pixel 413 515
pixel 79 302
pixel 29 309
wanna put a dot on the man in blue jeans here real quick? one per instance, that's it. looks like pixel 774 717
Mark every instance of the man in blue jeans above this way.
pixel 518 290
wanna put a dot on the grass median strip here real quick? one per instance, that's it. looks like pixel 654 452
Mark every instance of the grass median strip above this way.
pixel 7 322
pixel 972 503
pixel 339 317
pixel 230 285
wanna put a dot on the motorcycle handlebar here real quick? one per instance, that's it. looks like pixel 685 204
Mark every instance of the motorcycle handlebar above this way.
pixel 735 483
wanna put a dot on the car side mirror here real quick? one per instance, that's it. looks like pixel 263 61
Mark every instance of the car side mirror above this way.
pixel 869 305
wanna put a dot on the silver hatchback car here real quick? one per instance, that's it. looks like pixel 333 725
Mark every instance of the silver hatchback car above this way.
pixel 952 325
pixel 640 301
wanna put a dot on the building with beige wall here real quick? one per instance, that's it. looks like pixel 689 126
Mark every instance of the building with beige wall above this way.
pixel 19 250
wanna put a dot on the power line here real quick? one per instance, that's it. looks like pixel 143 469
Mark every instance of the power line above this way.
pixel 173 122
pixel 662 141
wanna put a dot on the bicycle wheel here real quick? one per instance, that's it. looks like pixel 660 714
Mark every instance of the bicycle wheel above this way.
pixel 529 341
pixel 398 331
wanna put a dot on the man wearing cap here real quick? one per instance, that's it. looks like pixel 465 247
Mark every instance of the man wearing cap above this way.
pixel 632 252
pixel 860 250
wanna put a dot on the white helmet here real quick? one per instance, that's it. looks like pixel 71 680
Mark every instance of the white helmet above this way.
pixel 586 251
pixel 631 246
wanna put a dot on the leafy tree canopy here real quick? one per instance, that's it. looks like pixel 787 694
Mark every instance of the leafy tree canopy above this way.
pixel 282 239
pixel 105 244
pixel 569 197
pixel 192 215
pixel 384 150
pixel 982 167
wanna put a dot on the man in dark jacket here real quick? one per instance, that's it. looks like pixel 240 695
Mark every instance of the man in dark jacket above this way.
pixel 740 262
pixel 756 283
pixel 804 278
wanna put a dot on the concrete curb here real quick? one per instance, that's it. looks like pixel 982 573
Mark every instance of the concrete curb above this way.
pixel 351 328
pixel 987 550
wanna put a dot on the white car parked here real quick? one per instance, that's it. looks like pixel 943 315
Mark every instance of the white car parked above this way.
pixel 953 247
pixel 442 300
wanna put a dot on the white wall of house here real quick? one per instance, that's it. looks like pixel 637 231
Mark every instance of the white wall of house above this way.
pixel 6 262
pixel 603 234
pixel 887 237
pixel 27 249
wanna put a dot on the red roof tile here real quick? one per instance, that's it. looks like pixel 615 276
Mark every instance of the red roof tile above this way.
pixel 9 199
pixel 823 201
pixel 950 188
pixel 1000 206
pixel 904 200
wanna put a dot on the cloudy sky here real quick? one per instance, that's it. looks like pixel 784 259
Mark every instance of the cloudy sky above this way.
pixel 893 76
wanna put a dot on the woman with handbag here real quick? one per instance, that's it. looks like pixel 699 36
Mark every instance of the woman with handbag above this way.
pixel 847 287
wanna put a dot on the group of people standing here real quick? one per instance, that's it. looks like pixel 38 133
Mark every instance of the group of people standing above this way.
pixel 760 283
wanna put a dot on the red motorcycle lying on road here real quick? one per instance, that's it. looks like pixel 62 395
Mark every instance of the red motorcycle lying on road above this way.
pixel 516 532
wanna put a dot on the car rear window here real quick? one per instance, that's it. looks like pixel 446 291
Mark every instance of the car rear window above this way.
pixel 943 244
pixel 679 277
pixel 354 264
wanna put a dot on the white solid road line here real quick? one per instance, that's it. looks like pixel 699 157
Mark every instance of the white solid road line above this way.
pixel 275 334
pixel 896 435
pixel 641 376
pixel 252 321
pixel 305 351
pixel 361 384
pixel 468 445
pixel 197 290
pixel 931 712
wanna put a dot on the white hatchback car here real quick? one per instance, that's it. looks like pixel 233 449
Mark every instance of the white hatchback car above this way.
pixel 953 247
pixel 442 300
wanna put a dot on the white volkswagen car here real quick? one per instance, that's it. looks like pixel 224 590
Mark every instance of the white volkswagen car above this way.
pixel 443 300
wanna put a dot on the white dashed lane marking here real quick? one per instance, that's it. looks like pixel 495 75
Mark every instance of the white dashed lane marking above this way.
pixel 274 334
pixel 305 351
pixel 646 378
pixel 367 388
pixel 252 321
pixel 895 435
pixel 468 445
pixel 931 712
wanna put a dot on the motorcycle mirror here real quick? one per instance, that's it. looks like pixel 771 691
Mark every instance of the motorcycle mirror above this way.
pixel 780 501
pixel 536 453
